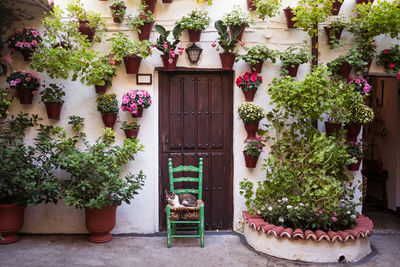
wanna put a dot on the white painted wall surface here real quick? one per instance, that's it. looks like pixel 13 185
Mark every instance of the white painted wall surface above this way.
pixel 142 215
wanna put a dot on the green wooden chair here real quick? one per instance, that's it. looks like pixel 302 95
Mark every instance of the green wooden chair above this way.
pixel 172 223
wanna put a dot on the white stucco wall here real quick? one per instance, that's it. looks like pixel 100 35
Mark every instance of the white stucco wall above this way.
pixel 142 215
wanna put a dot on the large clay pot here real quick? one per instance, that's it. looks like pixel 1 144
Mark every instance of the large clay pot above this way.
pixel 250 161
pixel 251 129
pixel 100 222
pixel 86 30
pixel 250 5
pixel 194 35
pixel 249 94
pixel 293 69
pixel 25 95
pixel 169 66
pixel 352 131
pixel 227 60
pixel 115 19
pixel 53 110
pixel 151 5
pixel 11 220
pixel 336 7
pixel 328 34
pixel 132 64
pixel 139 114
pixel 332 128
pixel 109 119
pixel 130 133
pixel 345 70
pixel 27 54
pixel 145 31
pixel 239 37
pixel 289 17
pixel 354 166
pixel 257 67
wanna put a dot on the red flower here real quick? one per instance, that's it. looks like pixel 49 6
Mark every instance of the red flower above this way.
pixel 386 51
pixel 392 66
pixel 253 78
pixel 238 81
pixel 260 78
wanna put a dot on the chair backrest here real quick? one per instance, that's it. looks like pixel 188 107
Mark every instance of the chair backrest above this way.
pixel 183 168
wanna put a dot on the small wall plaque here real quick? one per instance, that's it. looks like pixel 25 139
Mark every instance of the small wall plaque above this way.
pixel 143 79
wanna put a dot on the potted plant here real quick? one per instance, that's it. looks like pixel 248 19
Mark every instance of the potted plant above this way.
pixel 227 41
pixel 334 31
pixel 336 5
pixel 289 15
pixel 95 183
pixel 195 22
pixel 360 115
pixel 237 18
pixel 25 41
pixel 101 72
pixel 25 83
pixel 361 85
pixel 390 59
pixel 339 67
pixel 131 129
pixel 135 101
pixel 131 52
pixel 252 150
pixel 249 83
pixel 360 56
pixel 5 102
pixel 53 98
pixel 168 49
pixel 356 150
pixel 266 8
pixel 250 114
pixel 150 5
pixel 107 105
pixel 291 59
pixel 118 11
pixel 142 22
pixel 257 55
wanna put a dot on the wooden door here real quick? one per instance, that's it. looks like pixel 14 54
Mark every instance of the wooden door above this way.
pixel 195 120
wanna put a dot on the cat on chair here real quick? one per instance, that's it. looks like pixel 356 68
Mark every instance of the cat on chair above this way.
pixel 180 200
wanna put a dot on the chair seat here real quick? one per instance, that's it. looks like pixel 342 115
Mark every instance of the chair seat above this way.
pixel 199 203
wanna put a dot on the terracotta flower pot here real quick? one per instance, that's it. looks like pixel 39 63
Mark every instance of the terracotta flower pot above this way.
pixel 331 128
pixel 139 114
pixel 53 110
pixel 345 70
pixel 250 161
pixel 151 5
pixel 25 95
pixel 352 131
pixel 132 64
pixel 167 1
pixel 109 119
pixel 293 70
pixel 227 60
pixel 364 1
pixel 257 67
pixel 328 34
pixel 145 31
pixel 354 166
pixel 249 94
pixel 169 66
pixel 100 222
pixel 101 89
pixel 336 7
pixel 250 5
pixel 27 54
pixel 289 17
pixel 194 35
pixel 130 133
pixel 241 32
pixel 251 129
pixel 86 30
pixel 11 220
pixel 116 19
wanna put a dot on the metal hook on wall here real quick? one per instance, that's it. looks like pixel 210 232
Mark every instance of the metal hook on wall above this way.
pixel 382 94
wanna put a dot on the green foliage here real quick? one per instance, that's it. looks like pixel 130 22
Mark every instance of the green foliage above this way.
pixel 118 9
pixel 123 46
pixel 336 26
pixel 250 112
pixel 259 52
pixel 361 114
pixel 237 17
pixel 361 54
pixel 5 101
pixel 163 44
pixel 390 59
pixel 267 8
pixel 107 103
pixel 100 71
pixel 209 2
pixel 334 65
pixel 140 19
pixel 196 20
pixel 53 93
pixel 227 39
pixel 292 56
pixel 254 147
pixel 357 148
pixel 130 125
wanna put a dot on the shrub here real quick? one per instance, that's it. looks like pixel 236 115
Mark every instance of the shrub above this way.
pixel 123 46
pixel 267 8
pixel 130 125
pixel 227 40
pixel 250 112
pixel 140 19
pixel 357 148
pixel 107 103
pixel 236 17
pixel 118 10
pixel 390 59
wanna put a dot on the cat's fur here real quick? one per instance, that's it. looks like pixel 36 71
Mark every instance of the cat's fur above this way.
pixel 180 200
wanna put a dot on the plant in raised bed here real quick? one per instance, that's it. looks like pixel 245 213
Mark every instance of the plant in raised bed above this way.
pixel 356 149
pixel 334 31
pixel 267 8
pixel 5 103
pixel 25 83
pixel 135 101
pixel 142 22
pixel 25 41
pixel 257 55
pixel 53 98
pixel 238 18
pixel 249 83
pixel 390 59
pixel 195 22
pixel 131 129
pixel 291 59
pixel 118 11
pixel 250 114
pixel 227 41
pixel 168 48
pixel 252 150
pixel 107 105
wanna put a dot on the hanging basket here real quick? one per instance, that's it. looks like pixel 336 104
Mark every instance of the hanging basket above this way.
pixel 145 31
pixel 251 162
pixel 249 94
pixel 25 95
pixel 151 5
pixel 115 18
pixel 169 66
pixel 289 17
pixel 86 30
pixel 227 60
pixel 53 110
pixel 257 67
pixel 109 119
pixel 139 114
pixel 292 69
pixel 251 129
pixel 131 133
pixel 328 34
pixel 132 64
pixel 250 5
pixel 194 35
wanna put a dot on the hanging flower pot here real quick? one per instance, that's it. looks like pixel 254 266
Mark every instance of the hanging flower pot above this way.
pixel 132 64
pixel 345 70
pixel 169 65
pixel 289 17
pixel 27 54
pixel 116 19
pixel 167 1
pixel 352 131
pixel 336 7
pixel 130 133
pixel 332 128
pixel 53 110
pixel 354 166
pixel 194 35
pixel 100 222
pixel 25 95
pixel 12 219
pixel 241 32
pixel 365 68
pixel 251 129
pixel 24 40
pixel 109 119
pixel 139 113
pixel 292 69
pixel 151 5
pixel 337 34
pixel 227 60
pixel 101 89
pixel 249 94
pixel 251 162
pixel 250 5
pixel 135 101
pixel 257 67
pixel 86 30
pixel 145 31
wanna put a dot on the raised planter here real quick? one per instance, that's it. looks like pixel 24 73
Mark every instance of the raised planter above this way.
pixel 130 133
pixel 100 222
pixel 250 5
pixel 336 7
pixel 151 5
pixel 354 166
pixel 145 31
pixel 86 30
pixel 11 220
pixel 293 70
pixel 53 110
pixel 257 67
pixel 227 60
pixel 352 131
pixel 328 34
pixel 132 64
pixel 109 119
pixel 241 32
pixel 251 129
pixel 332 128
pixel 289 17
pixel 249 94
pixel 308 246
pixel 251 162
pixel 25 95
pixel 169 66
pixel 194 36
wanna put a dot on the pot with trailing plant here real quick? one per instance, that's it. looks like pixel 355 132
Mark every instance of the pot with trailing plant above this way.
pixel 131 129
pixel 53 98
pixel 100 73
pixel 336 5
pixel 194 22
pixel 291 59
pixel 334 31
pixel 95 183
pixel 266 8
pixel 27 176
pixel 356 149
pixel 359 116
pixel 142 22
pixel 118 11
pixel 249 83
pixel 130 51
pixel 389 59
pixel 150 5
pixel 5 103
pixel 252 150
pixel 256 56
pixel 107 105
pixel 250 114
pixel 169 48
pixel 339 67
pixel 289 15
pixel 135 101
pixel 25 83
pixel 237 18
pixel 227 41
pixel 25 41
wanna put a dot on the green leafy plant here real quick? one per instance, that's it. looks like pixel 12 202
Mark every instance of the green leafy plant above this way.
pixel 292 56
pixel 130 125
pixel 123 46
pixel 118 10
pixel 361 114
pixel 390 59
pixel 140 19
pixel 107 103
pixel 336 26
pixel 258 53
pixel 227 39
pixel 254 147
pixel 196 20
pixel 334 65
pixel 356 148
pixel 250 112
pixel 5 102
pixel 237 17
pixel 101 71
pixel 52 93
pixel 166 46
pixel 267 8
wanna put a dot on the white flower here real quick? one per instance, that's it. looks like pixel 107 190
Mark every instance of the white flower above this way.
pixel 348 212
pixel 284 199
pixel 269 208
pixel 353 216
pixel 258 212
pixel 289 206
pixel 296 208
pixel 263 208
pixel 281 219
pixel 301 204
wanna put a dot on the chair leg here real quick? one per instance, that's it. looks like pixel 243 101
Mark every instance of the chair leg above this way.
pixel 168 226
pixel 202 226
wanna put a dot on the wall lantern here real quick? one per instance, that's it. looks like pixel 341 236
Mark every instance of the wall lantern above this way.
pixel 194 53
